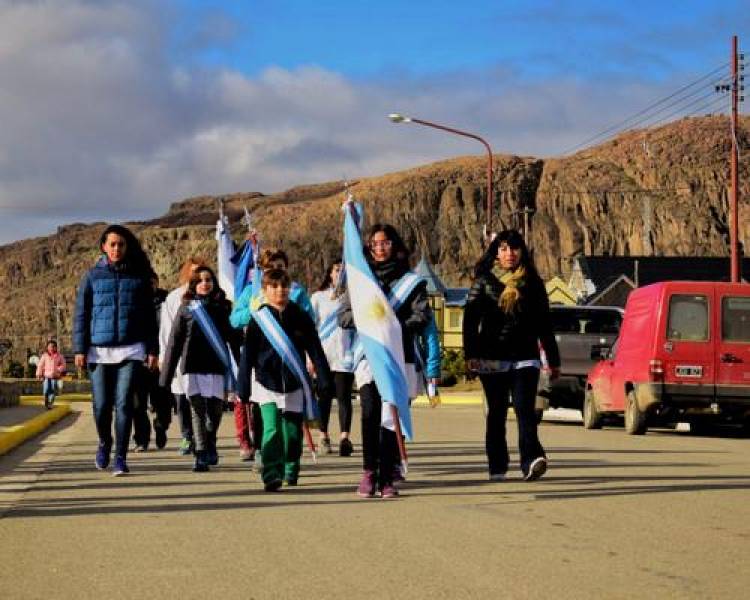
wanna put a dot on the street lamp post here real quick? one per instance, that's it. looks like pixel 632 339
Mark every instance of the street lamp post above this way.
pixel 398 118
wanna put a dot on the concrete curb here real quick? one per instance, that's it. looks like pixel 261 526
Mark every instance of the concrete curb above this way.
pixel 13 436
pixel 451 399
pixel 33 399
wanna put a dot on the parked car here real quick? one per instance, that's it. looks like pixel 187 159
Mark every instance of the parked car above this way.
pixel 683 354
pixel 577 329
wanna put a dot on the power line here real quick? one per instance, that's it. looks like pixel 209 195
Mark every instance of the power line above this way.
pixel 619 126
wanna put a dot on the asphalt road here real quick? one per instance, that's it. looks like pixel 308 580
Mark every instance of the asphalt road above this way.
pixel 666 515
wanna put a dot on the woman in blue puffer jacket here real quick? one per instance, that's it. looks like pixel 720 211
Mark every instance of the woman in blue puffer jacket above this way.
pixel 114 329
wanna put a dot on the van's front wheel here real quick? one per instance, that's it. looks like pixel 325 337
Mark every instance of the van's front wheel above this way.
pixel 635 418
pixel 592 418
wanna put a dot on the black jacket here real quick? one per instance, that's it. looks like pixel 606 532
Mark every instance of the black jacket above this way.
pixel 414 314
pixel 492 334
pixel 188 344
pixel 270 371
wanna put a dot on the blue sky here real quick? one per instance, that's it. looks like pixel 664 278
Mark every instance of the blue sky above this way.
pixel 113 109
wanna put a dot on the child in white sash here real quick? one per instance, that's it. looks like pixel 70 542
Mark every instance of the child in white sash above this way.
pixel 203 370
pixel 278 337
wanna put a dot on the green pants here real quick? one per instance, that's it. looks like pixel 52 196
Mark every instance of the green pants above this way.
pixel 281 447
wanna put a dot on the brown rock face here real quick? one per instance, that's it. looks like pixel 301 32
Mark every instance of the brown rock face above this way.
pixel 660 191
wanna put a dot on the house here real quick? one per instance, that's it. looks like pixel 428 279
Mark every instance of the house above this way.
pixel 559 292
pixel 608 280
pixel 447 304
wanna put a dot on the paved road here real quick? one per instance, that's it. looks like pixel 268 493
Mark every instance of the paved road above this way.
pixel 665 515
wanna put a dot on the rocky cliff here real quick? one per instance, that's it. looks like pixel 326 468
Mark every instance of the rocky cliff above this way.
pixel 659 191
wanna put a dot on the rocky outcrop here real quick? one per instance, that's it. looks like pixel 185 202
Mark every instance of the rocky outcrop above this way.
pixel 659 191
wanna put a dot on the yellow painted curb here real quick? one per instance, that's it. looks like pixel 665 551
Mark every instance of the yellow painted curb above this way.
pixel 451 399
pixel 13 436
pixel 28 400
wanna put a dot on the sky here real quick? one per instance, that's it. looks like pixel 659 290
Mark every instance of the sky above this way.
pixel 110 110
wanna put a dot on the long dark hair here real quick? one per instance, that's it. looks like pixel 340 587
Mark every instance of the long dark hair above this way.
pixel 217 294
pixel 399 251
pixel 136 259
pixel 327 280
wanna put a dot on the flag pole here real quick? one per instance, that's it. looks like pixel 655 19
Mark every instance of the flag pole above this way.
pixel 400 440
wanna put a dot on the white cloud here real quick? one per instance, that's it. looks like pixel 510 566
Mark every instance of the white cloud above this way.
pixel 98 124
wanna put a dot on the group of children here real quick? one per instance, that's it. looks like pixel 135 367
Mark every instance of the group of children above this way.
pixel 285 356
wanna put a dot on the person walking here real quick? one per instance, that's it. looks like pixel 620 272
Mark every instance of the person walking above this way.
pixel 199 343
pixel 273 375
pixel 338 347
pixel 505 319
pixel 50 368
pixel 170 308
pixel 248 421
pixel 114 332
pixel 388 259
pixel 149 394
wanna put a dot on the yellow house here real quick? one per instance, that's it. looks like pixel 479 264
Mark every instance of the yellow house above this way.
pixel 559 292
pixel 447 304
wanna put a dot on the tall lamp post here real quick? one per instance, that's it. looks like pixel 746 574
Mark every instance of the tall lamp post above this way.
pixel 397 118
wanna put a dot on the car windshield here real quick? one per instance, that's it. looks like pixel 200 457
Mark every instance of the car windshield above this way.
pixel 735 319
pixel 586 321
pixel 688 318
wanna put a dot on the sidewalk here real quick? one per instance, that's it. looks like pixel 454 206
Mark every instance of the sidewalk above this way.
pixel 30 418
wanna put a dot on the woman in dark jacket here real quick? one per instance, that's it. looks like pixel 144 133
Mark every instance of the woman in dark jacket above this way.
pixel 505 319
pixel 388 258
pixel 203 370
pixel 114 329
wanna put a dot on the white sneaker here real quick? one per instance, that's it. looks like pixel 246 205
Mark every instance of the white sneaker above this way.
pixel 537 468
pixel 497 476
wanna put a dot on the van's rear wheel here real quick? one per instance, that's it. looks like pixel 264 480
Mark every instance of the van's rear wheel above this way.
pixel 635 418
pixel 592 418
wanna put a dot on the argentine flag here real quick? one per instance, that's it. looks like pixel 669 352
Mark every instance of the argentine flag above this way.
pixel 377 326
pixel 225 251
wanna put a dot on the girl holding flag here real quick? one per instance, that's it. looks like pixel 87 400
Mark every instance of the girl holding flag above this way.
pixel 273 375
pixel 337 344
pixel 387 259
pixel 198 342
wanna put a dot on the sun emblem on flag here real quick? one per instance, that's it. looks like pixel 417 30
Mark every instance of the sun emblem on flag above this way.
pixel 376 310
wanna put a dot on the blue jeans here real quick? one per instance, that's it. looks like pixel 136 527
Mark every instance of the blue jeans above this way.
pixel 49 388
pixel 520 385
pixel 113 387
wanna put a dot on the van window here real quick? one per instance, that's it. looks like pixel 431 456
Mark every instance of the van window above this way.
pixel 585 321
pixel 735 319
pixel 688 318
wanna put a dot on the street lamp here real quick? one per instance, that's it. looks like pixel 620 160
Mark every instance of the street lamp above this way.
pixel 398 118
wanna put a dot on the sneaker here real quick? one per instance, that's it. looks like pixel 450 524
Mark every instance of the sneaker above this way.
pixel 345 447
pixel 497 476
pixel 389 491
pixel 186 447
pixel 366 487
pixel 246 452
pixel 325 446
pixel 200 465
pixel 102 457
pixel 140 448
pixel 160 436
pixel 537 468
pixel 272 486
pixel 49 401
pixel 290 481
pixel 120 467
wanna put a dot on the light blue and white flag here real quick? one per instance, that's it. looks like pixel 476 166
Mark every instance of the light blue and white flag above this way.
pixel 284 347
pixel 218 345
pixel 378 328
pixel 225 251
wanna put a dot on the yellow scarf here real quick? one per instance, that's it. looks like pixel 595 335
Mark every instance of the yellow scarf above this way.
pixel 512 280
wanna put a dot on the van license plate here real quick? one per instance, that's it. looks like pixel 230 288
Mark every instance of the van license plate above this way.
pixel 689 371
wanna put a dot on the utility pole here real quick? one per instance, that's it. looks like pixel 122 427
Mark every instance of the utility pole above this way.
pixel 733 204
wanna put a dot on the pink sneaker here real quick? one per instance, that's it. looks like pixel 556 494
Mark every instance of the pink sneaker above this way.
pixel 366 487
pixel 389 491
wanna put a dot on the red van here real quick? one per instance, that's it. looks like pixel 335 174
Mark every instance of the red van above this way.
pixel 683 354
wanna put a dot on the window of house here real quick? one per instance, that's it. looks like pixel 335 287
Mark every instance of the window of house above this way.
pixel 455 319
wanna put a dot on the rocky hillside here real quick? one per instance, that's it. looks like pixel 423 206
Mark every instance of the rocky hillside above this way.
pixel 659 191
